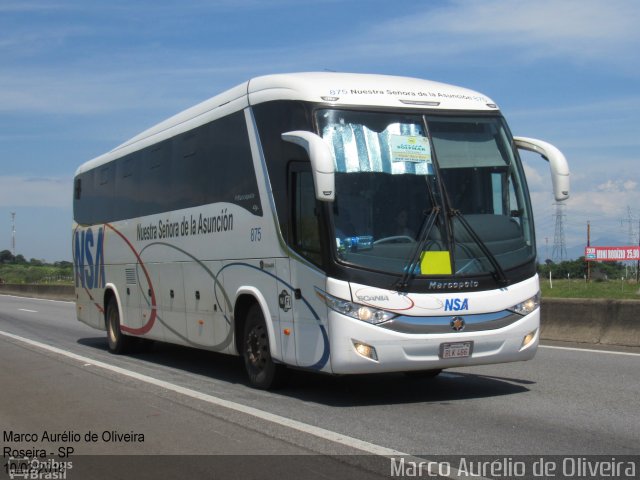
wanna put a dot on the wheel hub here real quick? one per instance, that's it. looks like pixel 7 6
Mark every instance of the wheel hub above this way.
pixel 256 348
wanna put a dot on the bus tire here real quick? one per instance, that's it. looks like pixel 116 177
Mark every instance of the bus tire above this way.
pixel 263 372
pixel 117 342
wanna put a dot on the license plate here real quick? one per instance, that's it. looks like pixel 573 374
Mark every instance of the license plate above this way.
pixel 456 350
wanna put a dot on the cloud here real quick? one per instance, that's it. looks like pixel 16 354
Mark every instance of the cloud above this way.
pixel 535 179
pixel 92 89
pixel 30 6
pixel 20 191
pixel 145 71
pixel 576 30
pixel 79 58
pixel 609 205
pixel 600 194
pixel 618 186
pixel 627 105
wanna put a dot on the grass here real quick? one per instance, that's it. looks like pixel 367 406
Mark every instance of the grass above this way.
pixel 562 288
pixel 613 289
pixel 36 274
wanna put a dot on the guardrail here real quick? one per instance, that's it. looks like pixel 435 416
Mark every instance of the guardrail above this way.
pixel 592 321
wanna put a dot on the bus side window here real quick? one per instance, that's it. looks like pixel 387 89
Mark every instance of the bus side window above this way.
pixel 306 234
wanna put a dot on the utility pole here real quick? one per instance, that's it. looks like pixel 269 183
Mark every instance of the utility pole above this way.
pixel 638 264
pixel 546 251
pixel 588 245
pixel 13 234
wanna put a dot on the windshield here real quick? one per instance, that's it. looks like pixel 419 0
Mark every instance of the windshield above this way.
pixel 396 174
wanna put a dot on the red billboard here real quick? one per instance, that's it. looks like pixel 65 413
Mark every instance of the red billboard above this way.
pixel 611 254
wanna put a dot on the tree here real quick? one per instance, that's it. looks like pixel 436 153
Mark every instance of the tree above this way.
pixel 578 269
pixel 6 257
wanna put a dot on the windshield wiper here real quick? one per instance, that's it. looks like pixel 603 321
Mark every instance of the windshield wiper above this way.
pixel 498 273
pixel 414 258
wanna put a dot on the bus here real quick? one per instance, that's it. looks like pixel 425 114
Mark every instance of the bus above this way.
pixel 331 222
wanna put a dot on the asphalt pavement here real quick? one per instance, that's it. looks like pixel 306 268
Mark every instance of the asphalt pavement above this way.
pixel 191 411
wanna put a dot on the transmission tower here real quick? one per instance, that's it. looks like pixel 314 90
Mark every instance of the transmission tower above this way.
pixel 630 223
pixel 559 253
pixel 13 233
pixel 633 240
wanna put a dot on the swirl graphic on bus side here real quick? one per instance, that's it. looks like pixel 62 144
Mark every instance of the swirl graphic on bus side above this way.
pixel 324 358
pixel 222 299
pixel 216 285
pixel 154 313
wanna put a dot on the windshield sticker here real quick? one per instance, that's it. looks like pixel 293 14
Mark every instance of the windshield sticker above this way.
pixel 405 148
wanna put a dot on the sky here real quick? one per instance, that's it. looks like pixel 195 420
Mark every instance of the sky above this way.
pixel 79 77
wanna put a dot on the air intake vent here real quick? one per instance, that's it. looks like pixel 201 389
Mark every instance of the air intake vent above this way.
pixel 130 276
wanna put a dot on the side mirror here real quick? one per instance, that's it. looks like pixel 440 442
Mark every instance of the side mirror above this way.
pixel 557 163
pixel 322 164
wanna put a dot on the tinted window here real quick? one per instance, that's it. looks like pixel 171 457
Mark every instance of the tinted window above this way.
pixel 104 191
pixel 306 232
pixel 127 184
pixel 273 119
pixel 212 163
pixel 83 199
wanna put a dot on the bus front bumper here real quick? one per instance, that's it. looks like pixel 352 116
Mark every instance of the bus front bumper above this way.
pixel 359 347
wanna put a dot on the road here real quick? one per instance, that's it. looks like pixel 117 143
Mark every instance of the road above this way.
pixel 169 402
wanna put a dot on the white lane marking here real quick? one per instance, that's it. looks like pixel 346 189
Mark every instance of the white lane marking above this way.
pixel 35 298
pixel 27 310
pixel 287 422
pixel 590 350
pixel 371 448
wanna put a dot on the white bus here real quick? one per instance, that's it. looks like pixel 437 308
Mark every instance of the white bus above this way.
pixel 339 223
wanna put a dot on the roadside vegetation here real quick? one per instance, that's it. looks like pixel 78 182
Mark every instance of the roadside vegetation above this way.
pixel 613 280
pixel 568 279
pixel 17 269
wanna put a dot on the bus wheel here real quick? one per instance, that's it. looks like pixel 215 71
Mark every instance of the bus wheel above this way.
pixel 263 372
pixel 417 374
pixel 116 340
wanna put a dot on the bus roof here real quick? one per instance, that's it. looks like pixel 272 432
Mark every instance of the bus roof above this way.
pixel 366 90
pixel 331 88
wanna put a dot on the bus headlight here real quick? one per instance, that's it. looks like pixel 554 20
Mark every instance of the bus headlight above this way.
pixel 355 310
pixel 528 306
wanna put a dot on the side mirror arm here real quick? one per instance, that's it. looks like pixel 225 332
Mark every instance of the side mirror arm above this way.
pixel 322 163
pixel 557 163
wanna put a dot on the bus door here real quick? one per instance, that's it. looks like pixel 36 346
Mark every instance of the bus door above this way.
pixel 308 311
